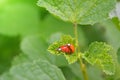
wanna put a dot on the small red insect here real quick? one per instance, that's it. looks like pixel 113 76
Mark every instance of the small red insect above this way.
pixel 68 49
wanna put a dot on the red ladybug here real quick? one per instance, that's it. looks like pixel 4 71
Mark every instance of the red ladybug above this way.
pixel 68 49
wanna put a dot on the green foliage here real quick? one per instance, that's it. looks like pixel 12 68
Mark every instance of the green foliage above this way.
pixel 6 76
pixel 65 39
pixel 118 54
pixel 71 76
pixel 79 11
pixel 37 69
pixel 7 52
pixel 26 31
pixel 111 34
pixel 21 58
pixel 35 47
pixel 34 44
pixel 116 21
pixel 95 73
pixel 98 54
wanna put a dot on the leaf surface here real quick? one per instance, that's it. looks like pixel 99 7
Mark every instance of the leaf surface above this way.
pixel 79 11
pixel 98 54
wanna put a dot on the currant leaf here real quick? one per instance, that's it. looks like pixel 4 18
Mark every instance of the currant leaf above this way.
pixel 65 39
pixel 79 11
pixel 38 69
pixel 99 54
pixel 71 58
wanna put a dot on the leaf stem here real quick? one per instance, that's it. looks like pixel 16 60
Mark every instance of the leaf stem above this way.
pixel 76 35
pixel 82 65
pixel 83 68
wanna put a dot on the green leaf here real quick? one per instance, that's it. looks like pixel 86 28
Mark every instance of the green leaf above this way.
pixel 118 55
pixel 36 70
pixel 94 73
pixel 6 76
pixel 71 58
pixel 9 47
pixel 98 54
pixel 65 39
pixel 21 58
pixel 69 74
pixel 75 68
pixel 35 47
pixel 54 37
pixel 112 34
pixel 32 70
pixel 79 11
pixel 116 22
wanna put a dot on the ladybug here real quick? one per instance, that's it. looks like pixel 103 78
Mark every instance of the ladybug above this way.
pixel 68 49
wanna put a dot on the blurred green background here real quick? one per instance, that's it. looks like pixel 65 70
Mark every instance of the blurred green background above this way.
pixel 20 19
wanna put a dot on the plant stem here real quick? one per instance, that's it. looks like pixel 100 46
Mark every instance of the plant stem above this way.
pixel 76 35
pixel 82 65
pixel 83 68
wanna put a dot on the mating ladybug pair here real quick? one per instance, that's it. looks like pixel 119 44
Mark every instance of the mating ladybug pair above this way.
pixel 68 49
